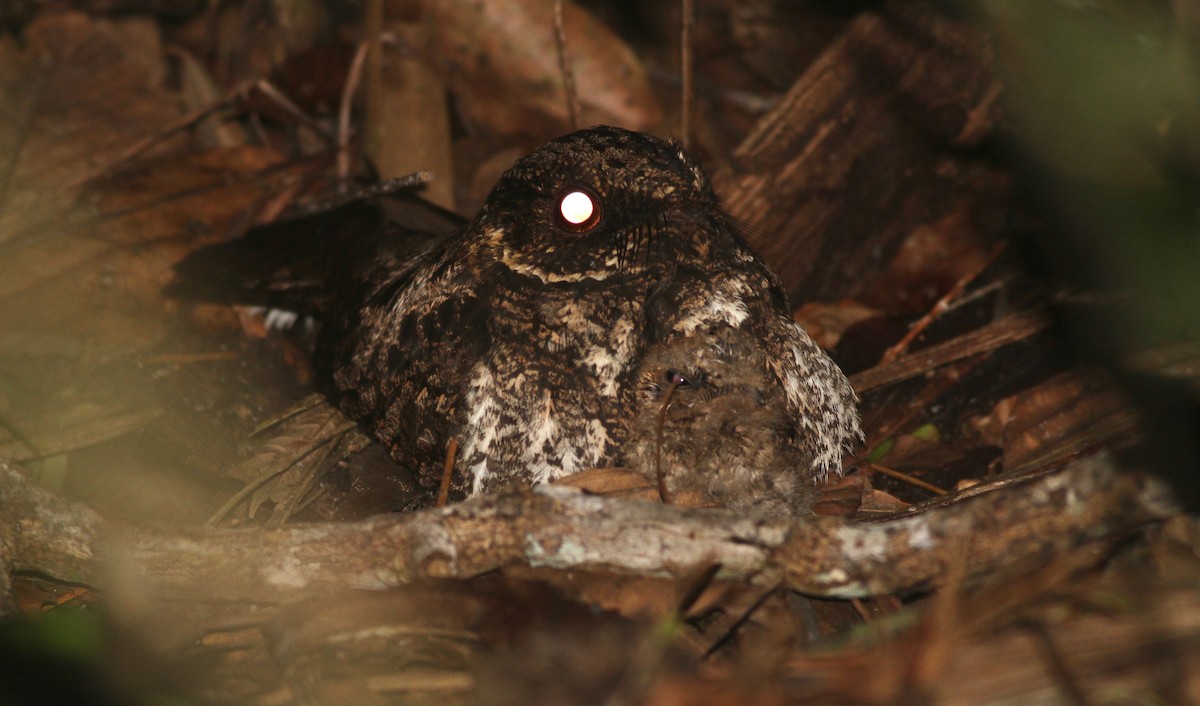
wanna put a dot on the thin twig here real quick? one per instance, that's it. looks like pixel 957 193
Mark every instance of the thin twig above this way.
pixel 186 358
pixel 447 473
pixel 295 501
pixel 742 619
pixel 300 407
pixel 149 141
pixel 353 78
pixel 280 99
pixel 941 305
pixel 566 67
pixel 257 483
pixel 905 478
pixel 695 588
pixel 685 69
pixel 387 187
pixel 663 493
pixel 1056 664
pixel 1008 330
pixel 939 629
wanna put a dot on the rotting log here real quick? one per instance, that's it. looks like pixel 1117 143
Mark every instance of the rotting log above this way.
pixel 562 528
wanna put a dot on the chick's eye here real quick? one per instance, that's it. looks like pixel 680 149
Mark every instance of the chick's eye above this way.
pixel 578 211
pixel 677 379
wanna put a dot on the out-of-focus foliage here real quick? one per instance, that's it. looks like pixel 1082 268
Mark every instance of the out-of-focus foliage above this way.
pixel 1105 102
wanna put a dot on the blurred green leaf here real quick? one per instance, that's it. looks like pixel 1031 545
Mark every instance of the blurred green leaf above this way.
pixel 74 634
pixel 881 451
pixel 1104 99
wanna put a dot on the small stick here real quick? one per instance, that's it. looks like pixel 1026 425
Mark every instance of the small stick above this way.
pixel 300 407
pixel 1057 665
pixel 447 473
pixel 939 629
pixel 353 78
pixel 942 305
pixel 663 493
pixel 742 619
pixel 1010 329
pixel 256 127
pixel 72 595
pixel 149 141
pixel 280 99
pixel 186 358
pixel 388 187
pixel 906 478
pixel 566 67
pixel 695 588
pixel 685 69
pixel 278 204
pixel 257 483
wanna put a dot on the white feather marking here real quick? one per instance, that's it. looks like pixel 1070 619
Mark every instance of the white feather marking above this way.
pixel 280 319
pixel 598 441
pixel 480 429
pixel 727 305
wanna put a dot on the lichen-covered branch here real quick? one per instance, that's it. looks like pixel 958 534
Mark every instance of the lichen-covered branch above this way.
pixel 562 528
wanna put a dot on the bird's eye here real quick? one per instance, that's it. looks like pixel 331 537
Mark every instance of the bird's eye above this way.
pixel 578 211
pixel 678 379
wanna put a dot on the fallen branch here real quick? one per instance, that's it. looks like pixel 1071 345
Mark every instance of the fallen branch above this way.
pixel 1008 330
pixel 562 528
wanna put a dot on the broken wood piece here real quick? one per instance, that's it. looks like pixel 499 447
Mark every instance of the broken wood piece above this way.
pixel 841 170
pixel 1010 329
pixel 563 529
pixel 407 121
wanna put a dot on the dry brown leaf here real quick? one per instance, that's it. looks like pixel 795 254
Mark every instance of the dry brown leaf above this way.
pixel 930 260
pixel 502 61
pixel 827 322
pixel 76 92
pixel 627 483
pixel 91 259
pixel 199 91
pixel 1060 408
pixel 842 498
pixel 621 482
pixel 85 424
pixel 81 92
pixel 101 277
pixel 291 457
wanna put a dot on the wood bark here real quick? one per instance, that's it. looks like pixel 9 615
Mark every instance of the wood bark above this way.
pixel 842 169
pixel 564 529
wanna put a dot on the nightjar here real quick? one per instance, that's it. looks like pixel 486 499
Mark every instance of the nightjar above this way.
pixel 712 419
pixel 522 335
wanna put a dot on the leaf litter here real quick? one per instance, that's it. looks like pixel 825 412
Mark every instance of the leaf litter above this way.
pixel 94 362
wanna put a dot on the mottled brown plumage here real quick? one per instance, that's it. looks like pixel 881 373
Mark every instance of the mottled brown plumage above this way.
pixel 522 335
pixel 712 419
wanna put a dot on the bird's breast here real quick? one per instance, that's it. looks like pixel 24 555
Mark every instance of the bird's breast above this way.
pixel 546 400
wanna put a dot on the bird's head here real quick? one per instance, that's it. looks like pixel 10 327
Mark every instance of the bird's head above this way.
pixel 600 202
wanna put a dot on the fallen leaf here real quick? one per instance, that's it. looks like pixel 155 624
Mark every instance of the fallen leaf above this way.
pixel 495 51
pixel 827 322
pixel 930 260
pixel 1064 407
pixel 76 93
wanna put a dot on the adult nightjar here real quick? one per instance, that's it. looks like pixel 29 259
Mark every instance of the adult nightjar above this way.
pixel 521 334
